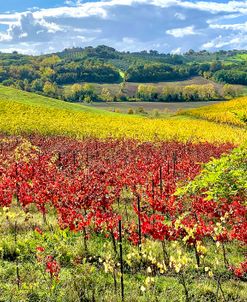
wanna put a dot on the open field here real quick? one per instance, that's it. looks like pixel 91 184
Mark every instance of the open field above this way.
pixel 11 95
pixel 232 112
pixel 29 113
pixel 163 108
pixel 241 57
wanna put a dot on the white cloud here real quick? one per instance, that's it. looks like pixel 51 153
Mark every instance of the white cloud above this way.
pixel 181 32
pixel 229 42
pixel 216 7
pixel 128 40
pixel 176 51
pixel 69 2
pixel 180 16
pixel 165 25
pixel 4 37
pixel 81 11
pixel 23 35
pixel 237 27
pixel 32 29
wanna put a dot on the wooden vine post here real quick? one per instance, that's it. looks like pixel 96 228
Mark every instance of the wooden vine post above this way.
pixel 121 259
pixel 139 222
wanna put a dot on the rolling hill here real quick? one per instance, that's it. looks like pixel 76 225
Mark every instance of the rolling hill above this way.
pixel 233 112
pixel 23 112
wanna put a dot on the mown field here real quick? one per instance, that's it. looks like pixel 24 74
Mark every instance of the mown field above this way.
pixel 158 108
pixel 103 206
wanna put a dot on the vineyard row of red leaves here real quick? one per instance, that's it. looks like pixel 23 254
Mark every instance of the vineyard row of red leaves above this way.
pixel 84 181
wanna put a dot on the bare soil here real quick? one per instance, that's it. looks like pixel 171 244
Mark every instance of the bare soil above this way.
pixel 150 106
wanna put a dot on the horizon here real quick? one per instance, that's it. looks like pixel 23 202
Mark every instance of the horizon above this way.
pixel 147 51
pixel 168 26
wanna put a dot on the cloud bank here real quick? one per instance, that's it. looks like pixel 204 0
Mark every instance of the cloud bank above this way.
pixel 165 25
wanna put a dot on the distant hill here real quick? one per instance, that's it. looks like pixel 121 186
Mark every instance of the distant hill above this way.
pixel 126 59
pixel 46 74
pixel 104 64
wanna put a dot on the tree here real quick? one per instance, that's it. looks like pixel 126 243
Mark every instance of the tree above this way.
pixel 231 77
pixel 3 74
pixel 87 99
pixel 141 91
pixel 207 74
pixel 215 66
pixel 85 71
pixel 50 89
pixel 89 89
pixel 47 73
pixel 78 93
pixel 230 91
pixel 37 85
pixel 207 92
pixel 146 92
pixel 26 85
pixel 73 93
pixel 171 94
pixel 19 84
pixel 89 94
pixel 191 93
pixel 8 82
pixel 122 87
pixel 106 95
pixel 225 177
pixel 155 72
pixel 199 92
pixel 50 61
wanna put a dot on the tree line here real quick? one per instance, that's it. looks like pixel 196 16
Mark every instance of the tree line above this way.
pixel 48 74
pixel 55 70
pixel 148 93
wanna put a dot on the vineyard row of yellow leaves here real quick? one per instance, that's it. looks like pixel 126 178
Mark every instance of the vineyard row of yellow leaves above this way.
pixel 29 113
pixel 231 112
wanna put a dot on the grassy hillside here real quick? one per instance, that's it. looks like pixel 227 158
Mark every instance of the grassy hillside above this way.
pixel 233 112
pixel 12 96
pixel 22 112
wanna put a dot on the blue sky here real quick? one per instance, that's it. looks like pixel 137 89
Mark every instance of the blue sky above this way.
pixel 42 26
pixel 23 5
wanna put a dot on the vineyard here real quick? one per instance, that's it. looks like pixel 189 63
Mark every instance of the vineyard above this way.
pixel 120 219
pixel 233 112
pixel 23 112
pixel 123 151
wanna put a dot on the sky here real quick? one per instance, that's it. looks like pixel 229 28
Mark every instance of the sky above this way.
pixel 46 26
